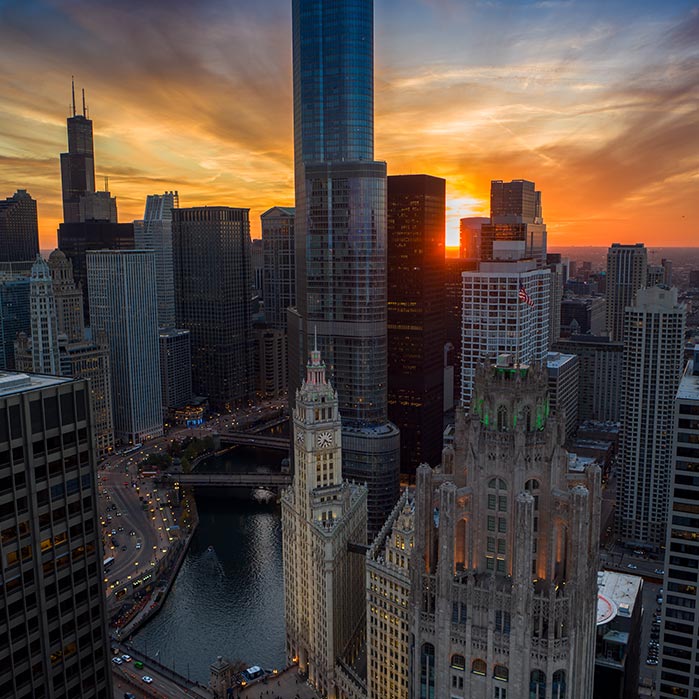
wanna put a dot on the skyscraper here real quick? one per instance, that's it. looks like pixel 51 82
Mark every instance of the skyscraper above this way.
pixel 19 228
pixel 679 671
pixel 497 318
pixel 121 284
pixel 627 271
pixel 53 634
pixel 652 366
pixel 155 233
pixel 78 164
pixel 515 214
pixel 470 237
pixel 175 367
pixel 340 231
pixel 68 297
pixel 504 568
pixel 279 271
pixel 42 305
pixel 211 257
pixel 321 515
pixel 416 332
pixel 15 316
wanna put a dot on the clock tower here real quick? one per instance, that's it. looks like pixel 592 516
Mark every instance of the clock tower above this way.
pixel 321 515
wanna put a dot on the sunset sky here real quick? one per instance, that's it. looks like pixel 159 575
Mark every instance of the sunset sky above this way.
pixel 597 101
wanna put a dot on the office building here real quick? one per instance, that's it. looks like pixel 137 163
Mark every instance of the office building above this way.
pixel 98 206
pixel 257 267
pixel 515 214
pixel 270 357
pixel 68 297
pixel 53 634
pixel 558 275
pixel 340 235
pixel 583 315
pixel 78 164
pixel 155 233
pixel 121 285
pixel 19 228
pixel 388 606
pixel 44 325
pixel 618 646
pixel 563 381
pixel 322 515
pixel 15 316
pixel 694 278
pixel 470 237
pixel 627 271
pixel 211 258
pixel 504 568
pixel 497 319
pixel 279 273
pixel 655 275
pixel 75 240
pixel 416 334
pixel 679 670
pixel 652 366
pixel 175 368
pixel 599 384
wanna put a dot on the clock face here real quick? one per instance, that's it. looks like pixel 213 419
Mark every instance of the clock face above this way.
pixel 325 439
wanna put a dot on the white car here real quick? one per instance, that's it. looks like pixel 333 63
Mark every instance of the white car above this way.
pixel 117 661
pixel 147 679
pixel 126 658
pixel 138 545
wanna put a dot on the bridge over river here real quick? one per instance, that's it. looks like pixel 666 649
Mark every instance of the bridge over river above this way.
pixel 267 481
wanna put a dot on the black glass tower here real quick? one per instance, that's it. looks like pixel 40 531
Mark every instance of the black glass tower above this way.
pixel 341 235
pixel 19 228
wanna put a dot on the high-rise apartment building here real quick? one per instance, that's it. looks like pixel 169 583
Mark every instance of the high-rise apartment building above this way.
pixel 504 567
pixel 155 233
pixel 75 240
pixel 279 271
pixel 627 271
pixel 121 284
pixel 211 258
pixel 599 383
pixel 583 315
pixel 322 514
pixel 15 316
pixel 78 164
pixel 416 333
pixel 340 233
pixel 270 359
pixel 515 215
pixel 679 669
pixel 652 366
pixel 68 297
pixel 53 634
pixel 175 367
pixel 44 325
pixel 563 376
pixel 498 318
pixel 470 230
pixel 19 228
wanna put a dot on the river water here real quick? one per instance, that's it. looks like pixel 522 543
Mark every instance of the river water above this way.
pixel 229 601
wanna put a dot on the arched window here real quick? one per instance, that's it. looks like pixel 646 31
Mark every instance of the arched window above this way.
pixel 479 667
pixel 501 672
pixel 502 419
pixel 458 662
pixel 532 485
pixel 427 671
pixel 537 685
pixel 527 418
pixel 558 687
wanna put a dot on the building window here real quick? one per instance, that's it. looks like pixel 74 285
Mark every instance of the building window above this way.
pixel 479 667
pixel 537 685
pixel 558 686
pixel 458 662
pixel 427 671
pixel 501 672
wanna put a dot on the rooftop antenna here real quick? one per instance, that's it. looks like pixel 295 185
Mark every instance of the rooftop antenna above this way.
pixel 72 89
pixel 315 338
pixel 106 183
pixel 84 110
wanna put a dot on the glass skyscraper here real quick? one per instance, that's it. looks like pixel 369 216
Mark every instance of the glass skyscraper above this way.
pixel 341 235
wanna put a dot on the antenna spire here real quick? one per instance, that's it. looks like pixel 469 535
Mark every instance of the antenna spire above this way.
pixel 315 338
pixel 72 89
pixel 84 110
pixel 106 183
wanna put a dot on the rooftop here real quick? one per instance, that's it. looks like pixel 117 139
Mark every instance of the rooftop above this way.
pixel 618 593
pixel 12 383
pixel 556 360
pixel 689 384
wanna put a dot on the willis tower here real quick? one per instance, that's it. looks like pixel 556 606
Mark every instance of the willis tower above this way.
pixel 341 236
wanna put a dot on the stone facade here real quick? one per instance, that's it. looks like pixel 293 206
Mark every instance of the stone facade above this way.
pixel 321 516
pixel 504 564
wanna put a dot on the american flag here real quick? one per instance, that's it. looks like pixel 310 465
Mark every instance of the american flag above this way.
pixel 524 296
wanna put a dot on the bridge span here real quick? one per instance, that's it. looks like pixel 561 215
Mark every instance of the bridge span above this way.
pixel 268 481
pixel 254 440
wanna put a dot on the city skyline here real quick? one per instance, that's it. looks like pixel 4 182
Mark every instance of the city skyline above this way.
pixel 600 117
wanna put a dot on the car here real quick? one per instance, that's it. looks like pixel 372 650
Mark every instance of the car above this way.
pixel 126 658
pixel 138 545
pixel 147 679
pixel 124 548
pixel 659 600
pixel 659 571
pixel 120 529
pixel 114 531
pixel 117 661
pixel 118 514
pixel 132 533
pixel 651 661
pixel 129 695
pixel 632 566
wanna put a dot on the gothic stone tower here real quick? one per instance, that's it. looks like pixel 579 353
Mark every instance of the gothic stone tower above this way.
pixel 503 573
pixel 321 515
